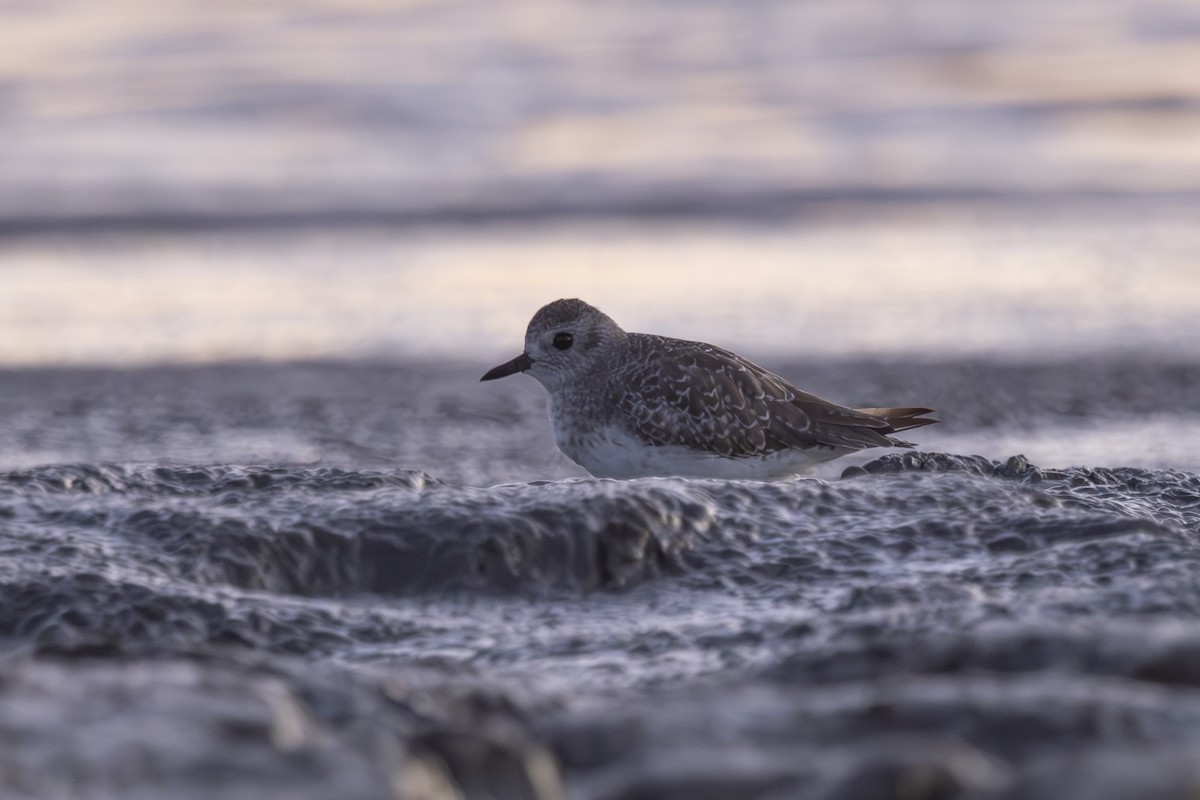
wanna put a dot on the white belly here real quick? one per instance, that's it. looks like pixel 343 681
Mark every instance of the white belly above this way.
pixel 613 453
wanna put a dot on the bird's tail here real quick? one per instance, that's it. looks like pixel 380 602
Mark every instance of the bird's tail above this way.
pixel 901 419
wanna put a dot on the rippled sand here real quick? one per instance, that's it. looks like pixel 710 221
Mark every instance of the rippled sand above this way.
pixel 318 579
pixel 983 625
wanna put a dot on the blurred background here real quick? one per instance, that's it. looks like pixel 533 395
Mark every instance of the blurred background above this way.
pixel 187 181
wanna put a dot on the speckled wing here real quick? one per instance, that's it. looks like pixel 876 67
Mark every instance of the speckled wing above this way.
pixel 675 392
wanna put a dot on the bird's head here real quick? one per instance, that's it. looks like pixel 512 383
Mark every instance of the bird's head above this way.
pixel 565 339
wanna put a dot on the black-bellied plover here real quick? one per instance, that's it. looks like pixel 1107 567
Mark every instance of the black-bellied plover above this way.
pixel 627 405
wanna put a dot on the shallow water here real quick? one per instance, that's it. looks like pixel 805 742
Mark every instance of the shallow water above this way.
pixel 927 282
pixel 357 580
pixel 169 111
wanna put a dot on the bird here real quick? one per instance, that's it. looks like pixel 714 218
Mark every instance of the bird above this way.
pixel 630 405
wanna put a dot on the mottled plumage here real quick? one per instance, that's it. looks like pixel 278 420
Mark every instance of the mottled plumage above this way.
pixel 632 404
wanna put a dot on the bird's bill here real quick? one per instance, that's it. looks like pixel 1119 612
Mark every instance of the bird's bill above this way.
pixel 518 364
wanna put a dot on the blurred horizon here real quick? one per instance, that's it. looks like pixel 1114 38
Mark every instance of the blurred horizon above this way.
pixel 186 182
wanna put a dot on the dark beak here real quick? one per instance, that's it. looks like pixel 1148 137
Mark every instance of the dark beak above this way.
pixel 518 364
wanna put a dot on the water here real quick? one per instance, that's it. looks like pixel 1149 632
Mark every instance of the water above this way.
pixel 901 283
pixel 118 115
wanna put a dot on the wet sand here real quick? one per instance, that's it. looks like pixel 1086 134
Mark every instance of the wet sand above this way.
pixel 302 581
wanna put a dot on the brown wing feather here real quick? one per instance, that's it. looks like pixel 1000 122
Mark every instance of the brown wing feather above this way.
pixel 901 419
pixel 696 395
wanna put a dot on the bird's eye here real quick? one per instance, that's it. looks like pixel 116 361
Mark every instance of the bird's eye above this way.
pixel 563 340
